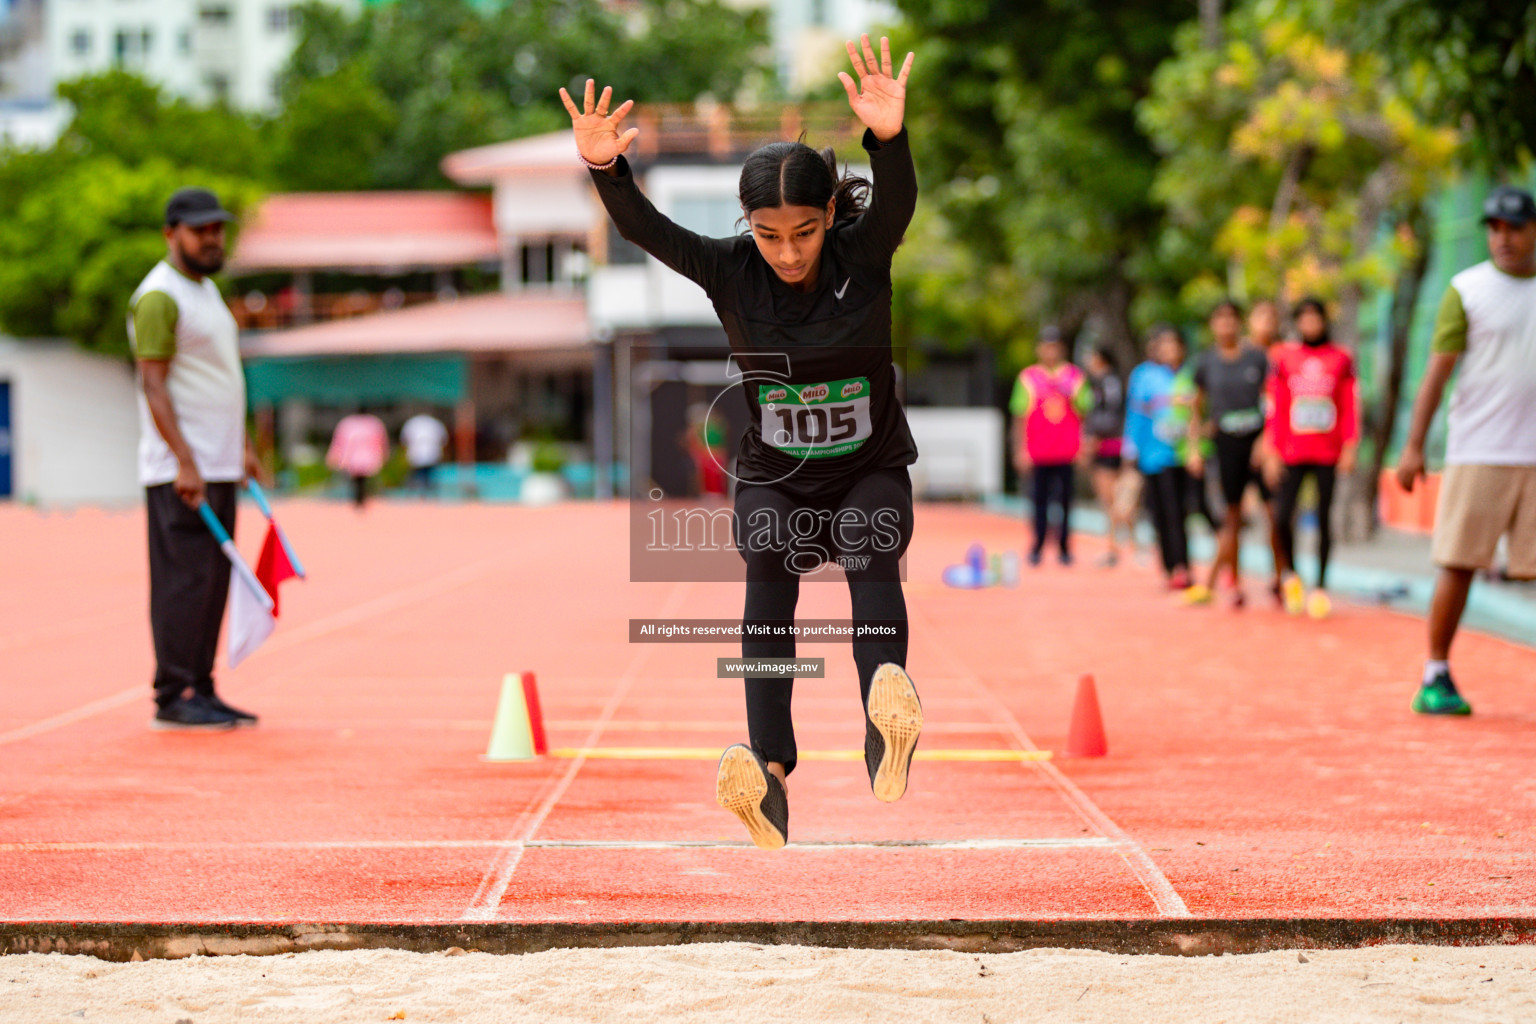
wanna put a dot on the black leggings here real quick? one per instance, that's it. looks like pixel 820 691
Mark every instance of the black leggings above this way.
pixel 1051 484
pixel 782 536
pixel 1167 494
pixel 1285 514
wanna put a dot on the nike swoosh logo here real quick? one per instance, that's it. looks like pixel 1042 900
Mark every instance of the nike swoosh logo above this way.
pixel 839 292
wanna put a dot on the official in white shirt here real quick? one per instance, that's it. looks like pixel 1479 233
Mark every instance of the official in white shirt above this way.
pixel 192 448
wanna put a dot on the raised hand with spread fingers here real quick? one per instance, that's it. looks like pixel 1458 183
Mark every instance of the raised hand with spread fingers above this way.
pixel 880 97
pixel 597 131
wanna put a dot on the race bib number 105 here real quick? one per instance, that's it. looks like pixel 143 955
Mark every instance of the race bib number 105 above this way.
pixel 816 421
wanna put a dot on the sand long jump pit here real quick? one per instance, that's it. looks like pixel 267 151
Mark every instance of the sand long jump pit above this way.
pixel 744 982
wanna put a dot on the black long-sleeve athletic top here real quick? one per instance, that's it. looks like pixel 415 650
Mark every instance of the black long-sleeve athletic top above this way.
pixel 816 365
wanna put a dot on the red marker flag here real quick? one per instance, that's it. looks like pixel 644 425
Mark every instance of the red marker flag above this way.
pixel 273 566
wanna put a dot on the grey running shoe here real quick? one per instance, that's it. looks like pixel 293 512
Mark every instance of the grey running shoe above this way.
pixel 893 720
pixel 745 787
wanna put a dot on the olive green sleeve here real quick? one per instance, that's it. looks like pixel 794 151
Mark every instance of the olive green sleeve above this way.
pixel 1082 401
pixel 1450 337
pixel 1022 399
pixel 154 326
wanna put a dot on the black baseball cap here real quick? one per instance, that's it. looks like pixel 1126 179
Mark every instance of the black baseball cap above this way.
pixel 1050 332
pixel 195 207
pixel 1509 204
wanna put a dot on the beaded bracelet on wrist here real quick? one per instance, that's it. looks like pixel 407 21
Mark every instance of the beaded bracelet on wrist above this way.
pixel 599 167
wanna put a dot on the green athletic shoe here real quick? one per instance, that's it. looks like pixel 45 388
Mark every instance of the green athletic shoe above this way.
pixel 1440 698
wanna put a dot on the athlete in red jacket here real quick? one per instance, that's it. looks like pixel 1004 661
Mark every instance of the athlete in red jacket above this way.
pixel 1312 430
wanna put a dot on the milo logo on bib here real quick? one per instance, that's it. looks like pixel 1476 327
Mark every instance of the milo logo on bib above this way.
pixel 816 421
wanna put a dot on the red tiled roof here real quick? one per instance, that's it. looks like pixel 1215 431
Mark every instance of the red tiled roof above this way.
pixel 375 231
pixel 481 323
pixel 552 152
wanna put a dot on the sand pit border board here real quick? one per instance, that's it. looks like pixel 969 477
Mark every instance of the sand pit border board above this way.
pixel 1183 937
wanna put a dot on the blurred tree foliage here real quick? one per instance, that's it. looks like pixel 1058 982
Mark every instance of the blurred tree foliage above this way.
pixel 374 100
pixel 1024 122
pixel 434 76
pixel 1284 156
pixel 1475 58
pixel 121 115
pixel 80 222
pixel 332 133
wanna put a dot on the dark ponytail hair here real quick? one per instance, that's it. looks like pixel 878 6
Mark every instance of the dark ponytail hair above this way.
pixel 794 174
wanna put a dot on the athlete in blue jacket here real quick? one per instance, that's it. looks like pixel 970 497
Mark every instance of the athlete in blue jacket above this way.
pixel 1154 429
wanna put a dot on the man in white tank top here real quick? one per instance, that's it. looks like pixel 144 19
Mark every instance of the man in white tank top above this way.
pixel 192 449
pixel 1486 329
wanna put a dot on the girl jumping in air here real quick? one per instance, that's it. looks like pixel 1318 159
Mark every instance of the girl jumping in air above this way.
pixel 805 300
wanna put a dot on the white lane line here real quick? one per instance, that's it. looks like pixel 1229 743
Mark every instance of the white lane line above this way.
pixel 280 641
pixel 486 903
pixel 1068 842
pixel 272 844
pixel 85 624
pixel 81 713
pixel 1164 897
pixel 381 605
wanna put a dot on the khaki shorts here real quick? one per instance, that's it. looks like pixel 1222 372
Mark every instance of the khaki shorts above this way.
pixel 1480 504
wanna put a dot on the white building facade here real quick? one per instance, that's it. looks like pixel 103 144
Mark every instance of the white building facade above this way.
pixel 69 425
pixel 205 50
pixel 233 50
pixel 808 37
pixel 23 56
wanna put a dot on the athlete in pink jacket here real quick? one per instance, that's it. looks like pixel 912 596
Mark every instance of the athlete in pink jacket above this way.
pixel 1049 400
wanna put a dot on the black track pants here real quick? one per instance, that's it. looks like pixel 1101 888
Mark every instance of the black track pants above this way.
pixel 1285 513
pixel 188 587
pixel 1052 485
pixel 1166 494
pixel 781 536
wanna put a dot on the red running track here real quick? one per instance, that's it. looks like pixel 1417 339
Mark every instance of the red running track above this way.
pixel 1260 766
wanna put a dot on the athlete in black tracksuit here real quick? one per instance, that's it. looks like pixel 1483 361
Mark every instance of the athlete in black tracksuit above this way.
pixel 822 467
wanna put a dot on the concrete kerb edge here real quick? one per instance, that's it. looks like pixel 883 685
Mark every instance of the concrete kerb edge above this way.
pixel 1184 937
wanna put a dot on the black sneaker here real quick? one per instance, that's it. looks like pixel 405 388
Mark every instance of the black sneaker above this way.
pixel 192 712
pixel 745 787
pixel 893 720
pixel 241 717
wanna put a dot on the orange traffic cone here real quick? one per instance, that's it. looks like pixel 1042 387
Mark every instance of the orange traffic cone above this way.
pixel 1085 736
